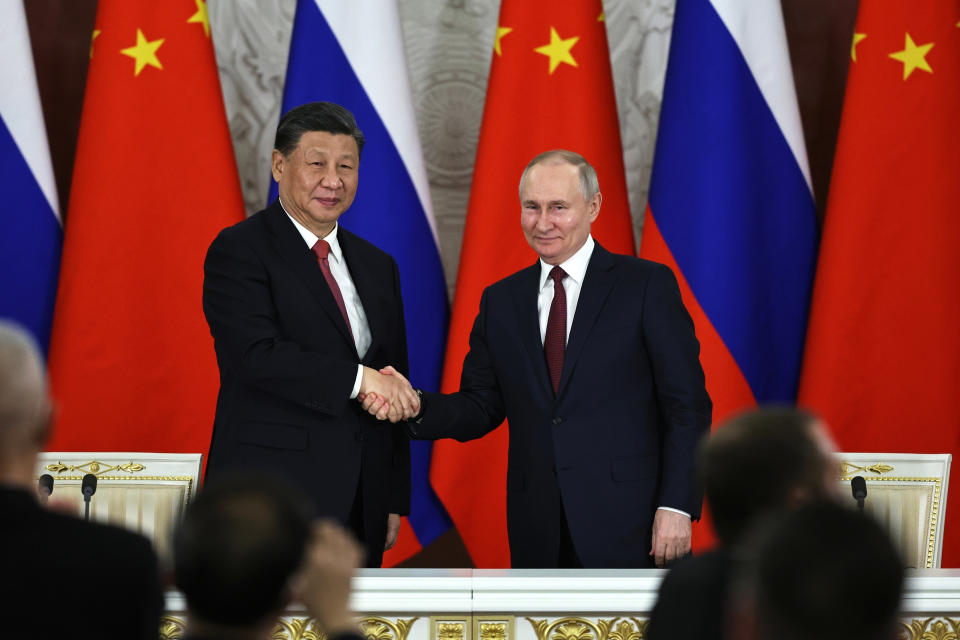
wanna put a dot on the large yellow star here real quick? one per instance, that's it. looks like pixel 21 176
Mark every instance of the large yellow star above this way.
pixel 857 37
pixel 144 53
pixel 501 31
pixel 96 32
pixel 913 57
pixel 201 16
pixel 558 50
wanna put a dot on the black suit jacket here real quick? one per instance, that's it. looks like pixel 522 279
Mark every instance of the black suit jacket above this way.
pixel 64 576
pixel 618 440
pixel 693 598
pixel 288 363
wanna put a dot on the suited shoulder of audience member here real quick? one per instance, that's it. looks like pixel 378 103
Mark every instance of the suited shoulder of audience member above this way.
pixel 247 547
pixel 764 460
pixel 821 572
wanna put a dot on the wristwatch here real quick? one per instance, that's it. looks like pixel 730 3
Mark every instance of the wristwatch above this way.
pixel 423 405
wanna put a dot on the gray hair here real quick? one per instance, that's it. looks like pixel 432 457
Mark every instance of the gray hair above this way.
pixel 589 185
pixel 24 404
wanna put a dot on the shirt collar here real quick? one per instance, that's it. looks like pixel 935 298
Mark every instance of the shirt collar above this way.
pixel 575 266
pixel 311 239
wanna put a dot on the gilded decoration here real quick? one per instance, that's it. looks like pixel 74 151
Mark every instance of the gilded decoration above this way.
pixel 878 468
pixel 96 467
pixel 297 629
pixel 583 629
pixel 447 627
pixel 929 629
pixel 493 631
pixel 171 628
pixel 382 629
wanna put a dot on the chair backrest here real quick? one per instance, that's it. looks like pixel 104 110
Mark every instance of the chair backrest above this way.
pixel 143 492
pixel 907 493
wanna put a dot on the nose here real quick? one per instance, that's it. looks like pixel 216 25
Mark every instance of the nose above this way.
pixel 330 179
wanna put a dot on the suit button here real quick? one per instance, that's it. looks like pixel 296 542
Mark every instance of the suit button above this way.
pixel 557 420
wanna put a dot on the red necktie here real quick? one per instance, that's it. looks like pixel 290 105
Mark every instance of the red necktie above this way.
pixel 322 249
pixel 555 337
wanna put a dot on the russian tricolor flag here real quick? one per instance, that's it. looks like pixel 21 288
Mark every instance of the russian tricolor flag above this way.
pixel 352 53
pixel 731 208
pixel 30 231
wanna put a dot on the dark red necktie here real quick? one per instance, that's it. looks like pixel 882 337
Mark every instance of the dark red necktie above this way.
pixel 555 337
pixel 322 249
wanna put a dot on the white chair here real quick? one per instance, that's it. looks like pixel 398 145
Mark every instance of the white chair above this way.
pixel 907 493
pixel 143 492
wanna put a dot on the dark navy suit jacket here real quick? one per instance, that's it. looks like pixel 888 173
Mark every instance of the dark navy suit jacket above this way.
pixel 288 364
pixel 619 438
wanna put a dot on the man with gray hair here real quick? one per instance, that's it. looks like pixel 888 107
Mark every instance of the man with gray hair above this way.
pixel 60 575
pixel 592 358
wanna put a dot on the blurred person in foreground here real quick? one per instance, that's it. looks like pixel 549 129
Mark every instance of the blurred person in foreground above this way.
pixel 822 572
pixel 59 572
pixel 760 462
pixel 247 548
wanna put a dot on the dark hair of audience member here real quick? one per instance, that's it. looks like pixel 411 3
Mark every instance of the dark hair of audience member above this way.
pixel 825 572
pixel 238 546
pixel 761 461
pixel 315 116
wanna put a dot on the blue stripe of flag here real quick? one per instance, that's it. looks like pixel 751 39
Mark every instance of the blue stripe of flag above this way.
pixel 388 213
pixel 732 203
pixel 30 243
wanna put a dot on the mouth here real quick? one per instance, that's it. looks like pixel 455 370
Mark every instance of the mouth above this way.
pixel 328 202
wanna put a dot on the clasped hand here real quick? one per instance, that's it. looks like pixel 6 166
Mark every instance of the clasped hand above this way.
pixel 387 395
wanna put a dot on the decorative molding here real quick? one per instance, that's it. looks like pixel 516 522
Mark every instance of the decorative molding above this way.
pixel 96 467
pixel 921 629
pixel 878 468
pixel 573 628
pixel 499 627
pixel 449 628
pixel 172 628
pixel 376 628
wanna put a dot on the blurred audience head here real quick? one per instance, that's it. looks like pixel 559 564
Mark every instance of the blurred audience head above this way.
pixel 764 460
pixel 24 403
pixel 821 572
pixel 238 547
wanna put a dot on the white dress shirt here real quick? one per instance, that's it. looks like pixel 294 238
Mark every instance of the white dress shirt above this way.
pixel 351 299
pixel 576 269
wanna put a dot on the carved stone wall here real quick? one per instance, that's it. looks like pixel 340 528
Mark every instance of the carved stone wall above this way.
pixel 449 46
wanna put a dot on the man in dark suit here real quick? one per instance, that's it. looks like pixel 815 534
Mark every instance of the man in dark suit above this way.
pixel 303 314
pixel 757 464
pixel 61 575
pixel 247 548
pixel 593 360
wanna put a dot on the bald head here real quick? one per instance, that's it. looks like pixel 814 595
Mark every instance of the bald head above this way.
pixel 24 404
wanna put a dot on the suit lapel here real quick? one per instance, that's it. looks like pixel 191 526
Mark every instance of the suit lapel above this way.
pixel 525 302
pixel 294 251
pixel 596 286
pixel 367 286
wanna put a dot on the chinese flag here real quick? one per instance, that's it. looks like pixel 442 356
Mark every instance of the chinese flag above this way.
pixel 550 87
pixel 882 361
pixel 131 360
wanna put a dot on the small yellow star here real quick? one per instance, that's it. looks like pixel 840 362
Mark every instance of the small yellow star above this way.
pixel 96 32
pixel 857 37
pixel 913 57
pixel 602 17
pixel 144 52
pixel 201 16
pixel 501 31
pixel 558 50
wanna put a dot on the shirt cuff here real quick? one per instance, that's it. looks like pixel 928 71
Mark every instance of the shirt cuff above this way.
pixel 675 510
pixel 356 384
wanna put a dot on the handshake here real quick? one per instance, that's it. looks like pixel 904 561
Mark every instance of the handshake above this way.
pixel 387 395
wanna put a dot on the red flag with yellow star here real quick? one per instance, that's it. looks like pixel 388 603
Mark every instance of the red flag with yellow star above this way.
pixel 131 360
pixel 882 361
pixel 550 87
